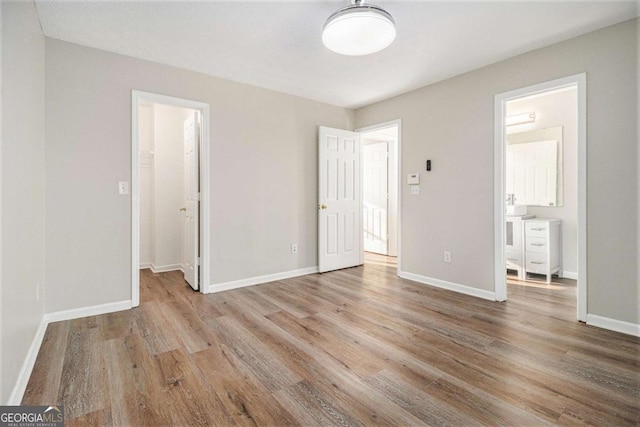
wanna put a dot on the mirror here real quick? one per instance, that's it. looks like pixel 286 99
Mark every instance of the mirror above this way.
pixel 534 167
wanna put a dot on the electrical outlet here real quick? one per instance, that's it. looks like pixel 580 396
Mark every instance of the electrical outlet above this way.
pixel 294 248
pixel 415 190
pixel 447 256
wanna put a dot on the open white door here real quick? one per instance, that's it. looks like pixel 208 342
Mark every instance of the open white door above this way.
pixel 375 197
pixel 339 200
pixel 191 199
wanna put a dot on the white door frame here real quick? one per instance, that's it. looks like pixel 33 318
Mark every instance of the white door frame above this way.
pixel 136 98
pixel 500 102
pixel 398 124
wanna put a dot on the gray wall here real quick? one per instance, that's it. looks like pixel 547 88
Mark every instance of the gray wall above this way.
pixel 263 163
pixel 22 180
pixel 452 123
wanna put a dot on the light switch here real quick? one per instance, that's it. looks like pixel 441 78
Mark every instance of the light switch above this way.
pixel 415 190
pixel 123 188
pixel 413 179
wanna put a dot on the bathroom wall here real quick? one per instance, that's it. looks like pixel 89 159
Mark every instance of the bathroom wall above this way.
pixel 557 109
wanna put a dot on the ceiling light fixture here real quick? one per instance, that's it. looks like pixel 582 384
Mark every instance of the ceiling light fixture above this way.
pixel 519 119
pixel 359 29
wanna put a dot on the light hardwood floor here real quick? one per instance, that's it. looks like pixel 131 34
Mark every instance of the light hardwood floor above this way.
pixel 352 347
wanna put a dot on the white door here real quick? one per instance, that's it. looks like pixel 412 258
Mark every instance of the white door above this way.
pixel 339 200
pixel 375 197
pixel 191 198
pixel 531 172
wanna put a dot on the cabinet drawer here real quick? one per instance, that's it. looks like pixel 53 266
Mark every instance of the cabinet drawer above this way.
pixel 535 229
pixel 536 244
pixel 536 262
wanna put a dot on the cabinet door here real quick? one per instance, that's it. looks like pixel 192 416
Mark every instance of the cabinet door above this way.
pixel 510 235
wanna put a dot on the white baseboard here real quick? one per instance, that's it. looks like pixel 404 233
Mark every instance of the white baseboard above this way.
pixel 32 354
pixel 27 366
pixel 93 310
pixel 614 325
pixel 144 265
pixel 226 286
pixel 164 268
pixel 463 289
pixel 570 275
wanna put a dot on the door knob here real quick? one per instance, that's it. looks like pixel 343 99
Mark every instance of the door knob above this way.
pixel 322 206
pixel 183 209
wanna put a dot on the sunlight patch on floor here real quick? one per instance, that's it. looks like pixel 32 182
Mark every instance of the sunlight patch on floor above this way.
pixel 536 285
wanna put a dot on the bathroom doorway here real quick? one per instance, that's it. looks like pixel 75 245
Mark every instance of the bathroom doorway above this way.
pixel 540 184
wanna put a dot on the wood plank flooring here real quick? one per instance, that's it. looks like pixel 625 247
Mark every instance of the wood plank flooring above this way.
pixel 352 347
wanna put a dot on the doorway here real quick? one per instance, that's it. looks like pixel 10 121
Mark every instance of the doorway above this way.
pixel 341 232
pixel 540 184
pixel 380 189
pixel 170 140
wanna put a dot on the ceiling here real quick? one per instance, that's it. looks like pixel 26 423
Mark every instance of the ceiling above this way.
pixel 277 44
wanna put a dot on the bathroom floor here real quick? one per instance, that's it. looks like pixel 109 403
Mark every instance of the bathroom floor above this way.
pixel 539 280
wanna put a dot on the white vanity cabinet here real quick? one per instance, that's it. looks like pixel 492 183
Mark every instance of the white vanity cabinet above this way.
pixel 514 245
pixel 543 246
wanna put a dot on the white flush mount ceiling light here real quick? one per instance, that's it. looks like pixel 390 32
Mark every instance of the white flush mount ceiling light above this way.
pixel 359 29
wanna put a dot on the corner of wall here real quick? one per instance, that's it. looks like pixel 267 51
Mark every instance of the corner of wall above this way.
pixel 22 243
pixel 2 398
pixel 27 366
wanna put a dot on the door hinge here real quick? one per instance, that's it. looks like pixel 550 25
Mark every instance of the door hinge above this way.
pixel 197 197
pixel 198 260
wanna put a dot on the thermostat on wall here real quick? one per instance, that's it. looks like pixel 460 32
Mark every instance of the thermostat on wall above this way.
pixel 413 179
